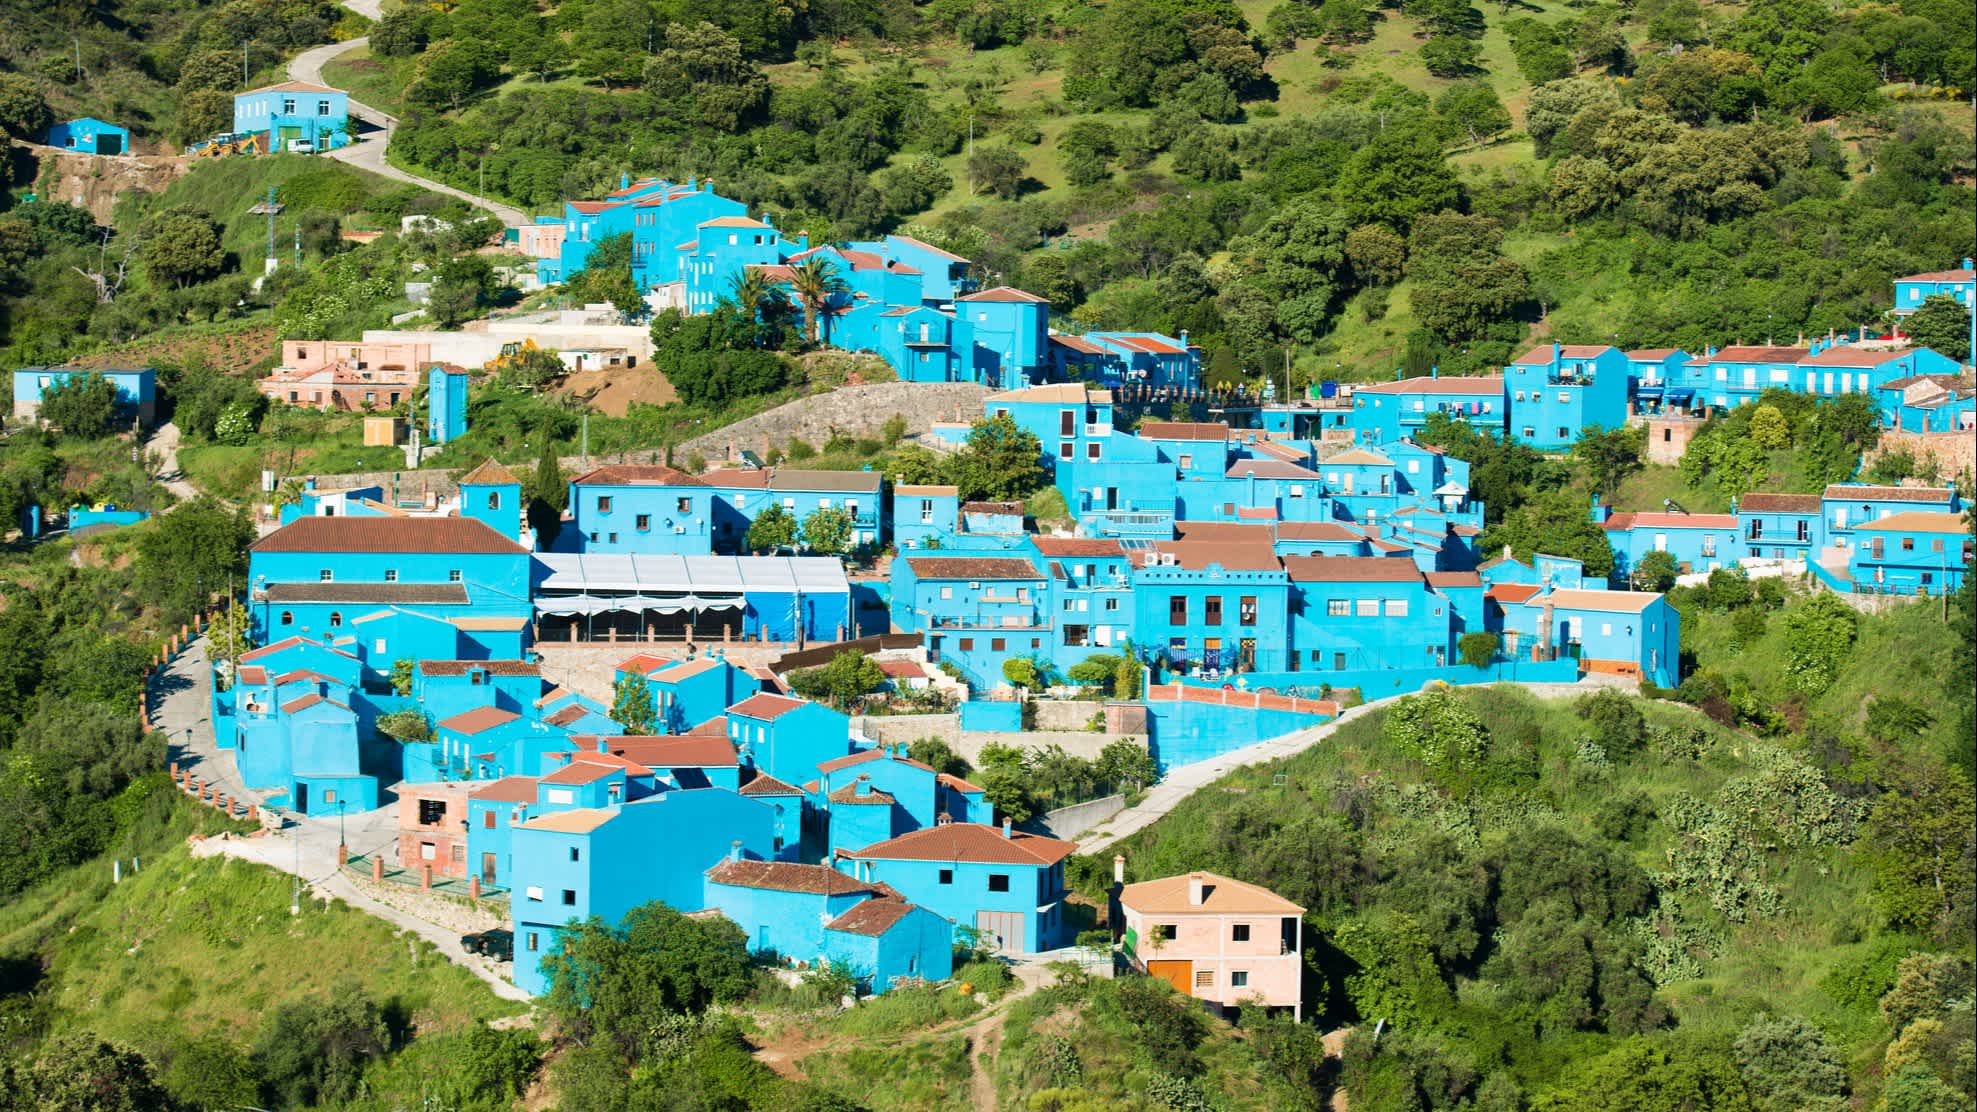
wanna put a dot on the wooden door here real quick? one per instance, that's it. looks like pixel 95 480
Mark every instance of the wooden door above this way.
pixel 1002 930
pixel 1180 974
pixel 487 868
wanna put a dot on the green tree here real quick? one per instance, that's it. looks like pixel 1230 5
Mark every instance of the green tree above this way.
pixel 1473 108
pixel 1126 764
pixel 212 1073
pixel 1377 255
pixel 1555 104
pixel 1007 789
pixel 623 985
pixel 773 530
pixel 937 755
pixel 496 1066
pixel 1126 684
pixel 997 168
pixel 1021 672
pixel 1941 324
pixel 1478 649
pixel 180 248
pixel 1615 720
pixel 1000 462
pixel 631 705
pixel 231 634
pixel 82 1073
pixel 1639 1075
pixel 1450 55
pixel 1788 1065
pixel 314 1051
pixel 402 671
pixel 23 110
pixel 1819 638
pixel 82 406
pixel 1656 571
pixel 1924 841
pixel 607 276
pixel 1769 429
pixel 702 75
pixel 1556 524
pixel 1609 457
pixel 405 725
pixel 827 530
pixel 1438 728
pixel 843 682
pixel 187 556
pixel 817 284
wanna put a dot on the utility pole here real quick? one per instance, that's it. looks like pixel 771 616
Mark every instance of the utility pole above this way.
pixel 243 65
pixel 78 42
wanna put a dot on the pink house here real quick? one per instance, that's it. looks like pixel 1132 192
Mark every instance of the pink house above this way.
pixel 326 374
pixel 541 241
pixel 1217 939
pixel 432 827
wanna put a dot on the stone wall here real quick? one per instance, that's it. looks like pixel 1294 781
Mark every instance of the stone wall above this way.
pixel 447 912
pixel 1070 822
pixel 1668 438
pixel 859 411
pixel 1955 453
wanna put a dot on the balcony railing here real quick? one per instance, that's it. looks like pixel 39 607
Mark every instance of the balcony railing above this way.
pixel 1130 523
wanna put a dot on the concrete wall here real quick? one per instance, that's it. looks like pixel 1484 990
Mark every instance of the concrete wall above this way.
pixel 1955 452
pixel 852 410
pixel 969 744
pixel 1069 822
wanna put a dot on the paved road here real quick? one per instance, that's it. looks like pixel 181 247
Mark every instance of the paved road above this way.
pixel 304 847
pixel 1188 779
pixel 367 152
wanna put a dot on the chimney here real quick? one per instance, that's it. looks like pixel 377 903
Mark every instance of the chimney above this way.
pixel 1434 370
pixel 1118 868
pixel 864 784
pixel 624 181
pixel 1557 353
pixel 1197 891
pixel 734 850
pixel 1967 265
pixel 1710 352
pixel 1005 826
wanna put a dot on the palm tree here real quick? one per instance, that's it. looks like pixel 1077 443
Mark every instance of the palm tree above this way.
pixel 816 280
pixel 749 289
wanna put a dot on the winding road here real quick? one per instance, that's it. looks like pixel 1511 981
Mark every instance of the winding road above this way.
pixel 366 152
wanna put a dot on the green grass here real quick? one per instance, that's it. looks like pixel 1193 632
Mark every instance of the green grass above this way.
pixel 378 82
pixel 186 948
pixel 292 441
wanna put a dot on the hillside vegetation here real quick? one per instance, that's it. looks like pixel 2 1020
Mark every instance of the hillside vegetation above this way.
pixel 1365 186
pixel 1609 904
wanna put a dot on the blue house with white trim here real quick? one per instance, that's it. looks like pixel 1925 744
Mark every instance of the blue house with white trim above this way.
pixel 1914 552
pixel 89 135
pixel 1558 391
pixel 813 913
pixel 137 389
pixel 294 112
pixel 1003 886
pixel 1383 412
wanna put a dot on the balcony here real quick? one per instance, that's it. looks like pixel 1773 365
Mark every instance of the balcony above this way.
pixel 1130 523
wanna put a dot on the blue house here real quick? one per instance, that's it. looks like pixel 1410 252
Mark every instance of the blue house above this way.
pixel 976 611
pixel 757 598
pixel 787 738
pixel 574 864
pixel 1658 381
pixel 137 389
pixel 492 495
pixel 1148 360
pixel 1832 370
pixel 1011 331
pixel 925 515
pixel 90 135
pixel 1915 552
pixel 1366 613
pixel 1845 507
pixel 494 809
pixel 1698 542
pixel 444 688
pixel 873 795
pixel 296 726
pixel 317 575
pixel 1780 526
pixel 701 758
pixel 294 112
pixel 1914 289
pixel 1557 392
pixel 446 404
pixel 1006 888
pixel 1091 586
pixel 943 274
pixel 814 913
pixel 1383 412
pixel 1928 403
pixel 1628 633
pixel 1215 601
pixel 686 693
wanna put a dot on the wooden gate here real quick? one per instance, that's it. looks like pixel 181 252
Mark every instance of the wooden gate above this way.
pixel 1001 930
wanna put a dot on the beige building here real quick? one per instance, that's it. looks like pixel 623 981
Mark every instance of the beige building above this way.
pixel 1220 940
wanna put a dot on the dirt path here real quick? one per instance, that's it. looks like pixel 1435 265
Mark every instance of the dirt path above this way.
pixel 164 441
pixel 366 152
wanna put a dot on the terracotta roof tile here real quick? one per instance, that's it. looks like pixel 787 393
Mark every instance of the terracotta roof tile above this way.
pixel 764 784
pixel 676 751
pixel 1916 521
pixel 1351 569
pixel 866 757
pixel 478 720
pixel 787 876
pixel 489 473
pixel 492 667
pixel 287 643
pixel 416 535
pixel 871 918
pixel 1077 546
pixel 1481 385
pixel 765 706
pixel 636 474
pixel 851 796
pixel 960 785
pixel 1765 502
pixel 1004 293
pixel 970 841
pixel 1543 352
pixel 380 594
pixel 1184 430
pixel 508 789
pixel 972 567
pixel 1220 896
pixel 1843 492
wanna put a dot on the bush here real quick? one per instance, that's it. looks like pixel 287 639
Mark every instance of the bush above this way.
pixel 1478 650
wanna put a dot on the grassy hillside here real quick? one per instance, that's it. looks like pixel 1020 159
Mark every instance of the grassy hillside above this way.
pixel 1738 867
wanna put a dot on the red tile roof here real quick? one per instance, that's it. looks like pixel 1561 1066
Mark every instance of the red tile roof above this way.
pixel 1479 384
pixel 588 768
pixel 764 706
pixel 1003 293
pixel 972 567
pixel 1078 344
pixel 487 474
pixel 644 664
pixel 412 535
pixel 1940 276
pixel 902 669
pixel 850 795
pixel 1077 546
pixel 928 247
pixel 307 701
pixel 1351 569
pixel 1845 355
pixel 305 674
pixel 1184 430
pixel 1454 579
pixel 568 716
pixel 508 789
pixel 252 674
pixel 788 876
pixel 636 474
pixel 1845 493
pixel 1758 353
pixel 872 918
pixel 492 667
pixel 1542 353
pixel 679 751
pixel 960 785
pixel 1657 520
pixel 1767 502
pixel 971 842
pixel 1315 531
pixel 765 784
pixel 1654 353
pixel 287 643
pixel 478 720
pixel 1510 593
pixel 865 757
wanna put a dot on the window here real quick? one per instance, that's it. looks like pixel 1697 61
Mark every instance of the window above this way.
pixel 604 503
pixel 1564 433
pixel 335 618
pixel 1396 608
pixel 643 523
pixel 288 617
pixel 1606 629
pixel 1338 662
pixel 1164 932
pixel 1708 545
pixel 1091 450
pixel 947 592
pixel 998 644
pixel 1239 932
pixel 1908 544
pixel 322 108
pixel 562 795
pixel 534 942
pixel 683 505
pixel 1366 607
pixel 612 537
pixel 569 897
pixel 534 894
pixel 391 575
pixel 326 576
pixel 947 876
pixel 926 511
pixel 1239 978
pixel 1204 978
pixel 1187 462
pixel 487 820
pixel 1211 610
pixel 288 106
pixel 378 647
pixel 1177 610
pixel 1112 604
pixel 1246 610
pixel 998 882
pixel 1338 607
pixel 965 644
pixel 432 812
pixel 453 575
pixel 329 795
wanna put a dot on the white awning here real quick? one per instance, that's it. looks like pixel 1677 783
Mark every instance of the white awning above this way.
pixel 571 584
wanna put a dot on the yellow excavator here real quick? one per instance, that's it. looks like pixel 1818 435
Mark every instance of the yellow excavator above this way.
pixel 512 354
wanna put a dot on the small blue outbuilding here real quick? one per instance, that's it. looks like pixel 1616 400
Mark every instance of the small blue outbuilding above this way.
pixel 90 135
